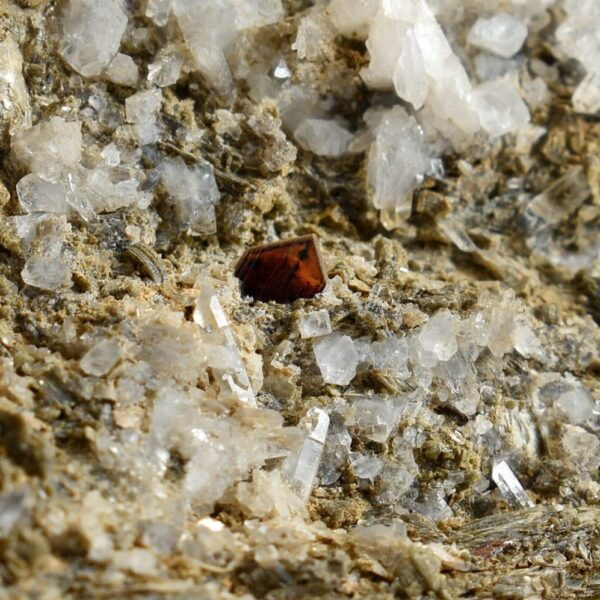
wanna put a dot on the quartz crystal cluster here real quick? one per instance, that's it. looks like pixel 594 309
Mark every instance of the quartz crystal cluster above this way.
pixel 222 375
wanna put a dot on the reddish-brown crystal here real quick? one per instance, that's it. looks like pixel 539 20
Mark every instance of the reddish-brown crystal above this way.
pixel 283 271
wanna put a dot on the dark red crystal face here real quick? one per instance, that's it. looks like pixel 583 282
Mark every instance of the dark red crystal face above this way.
pixel 283 271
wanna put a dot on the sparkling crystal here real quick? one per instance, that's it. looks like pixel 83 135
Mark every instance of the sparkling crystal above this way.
pixel 509 486
pixel 39 195
pixel 501 34
pixel 314 324
pixel 91 33
pixel 210 317
pixel 142 110
pixel 46 273
pixel 302 468
pixel 166 69
pixel 193 192
pixel 337 358
pixel 397 162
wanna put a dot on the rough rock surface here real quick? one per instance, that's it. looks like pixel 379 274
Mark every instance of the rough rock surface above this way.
pixel 426 427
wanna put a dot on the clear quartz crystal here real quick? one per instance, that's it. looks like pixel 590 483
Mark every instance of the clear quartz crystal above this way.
pixel 314 324
pixel 218 337
pixel 509 486
pixel 500 108
pixel 301 468
pixel 501 34
pixel 193 192
pixel 101 358
pixel 324 137
pixel 122 70
pixel 91 33
pixel 337 358
pixel 141 110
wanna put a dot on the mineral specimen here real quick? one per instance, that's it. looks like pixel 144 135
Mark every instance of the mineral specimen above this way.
pixel 282 271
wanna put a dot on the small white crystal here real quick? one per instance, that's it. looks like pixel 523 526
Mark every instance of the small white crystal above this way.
pixel 366 467
pixel 38 195
pixel 49 146
pixel 337 358
pixel 586 98
pixel 193 192
pixel 324 137
pixel 91 33
pixel 391 355
pixel 142 110
pixel 501 34
pixel 314 33
pixel 456 234
pixel 397 162
pixel 16 108
pixel 302 468
pixel 166 69
pixel 500 108
pixel 509 486
pixel 314 324
pixel 122 70
pixel 219 342
pixel 46 273
pixel 101 358
pixel 409 76
pixel 137 560
pixel 525 341
pixel 438 337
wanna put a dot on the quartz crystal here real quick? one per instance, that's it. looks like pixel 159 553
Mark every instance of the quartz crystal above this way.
pixel 397 162
pixel 501 34
pixel 122 70
pixel 101 358
pixel 166 69
pixel 337 358
pixel 141 110
pixel 301 468
pixel 49 146
pixel 39 195
pixel 500 107
pixel 509 486
pixel 314 324
pixel 16 108
pixel 193 192
pixel 91 34
pixel 46 272
pixel 323 137
pixel 219 340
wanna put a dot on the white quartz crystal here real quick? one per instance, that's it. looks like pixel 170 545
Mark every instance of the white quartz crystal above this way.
pixel 586 98
pixel 49 146
pixel 142 110
pixel 324 137
pixel 509 486
pixel 46 273
pixel 314 324
pixel 501 34
pixel 314 33
pixel 193 192
pixel 101 358
pixel 221 348
pixel 122 70
pixel 500 108
pixel 16 108
pixel 166 68
pixel 337 358
pixel 301 468
pixel 397 162
pixel 39 195
pixel 91 33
